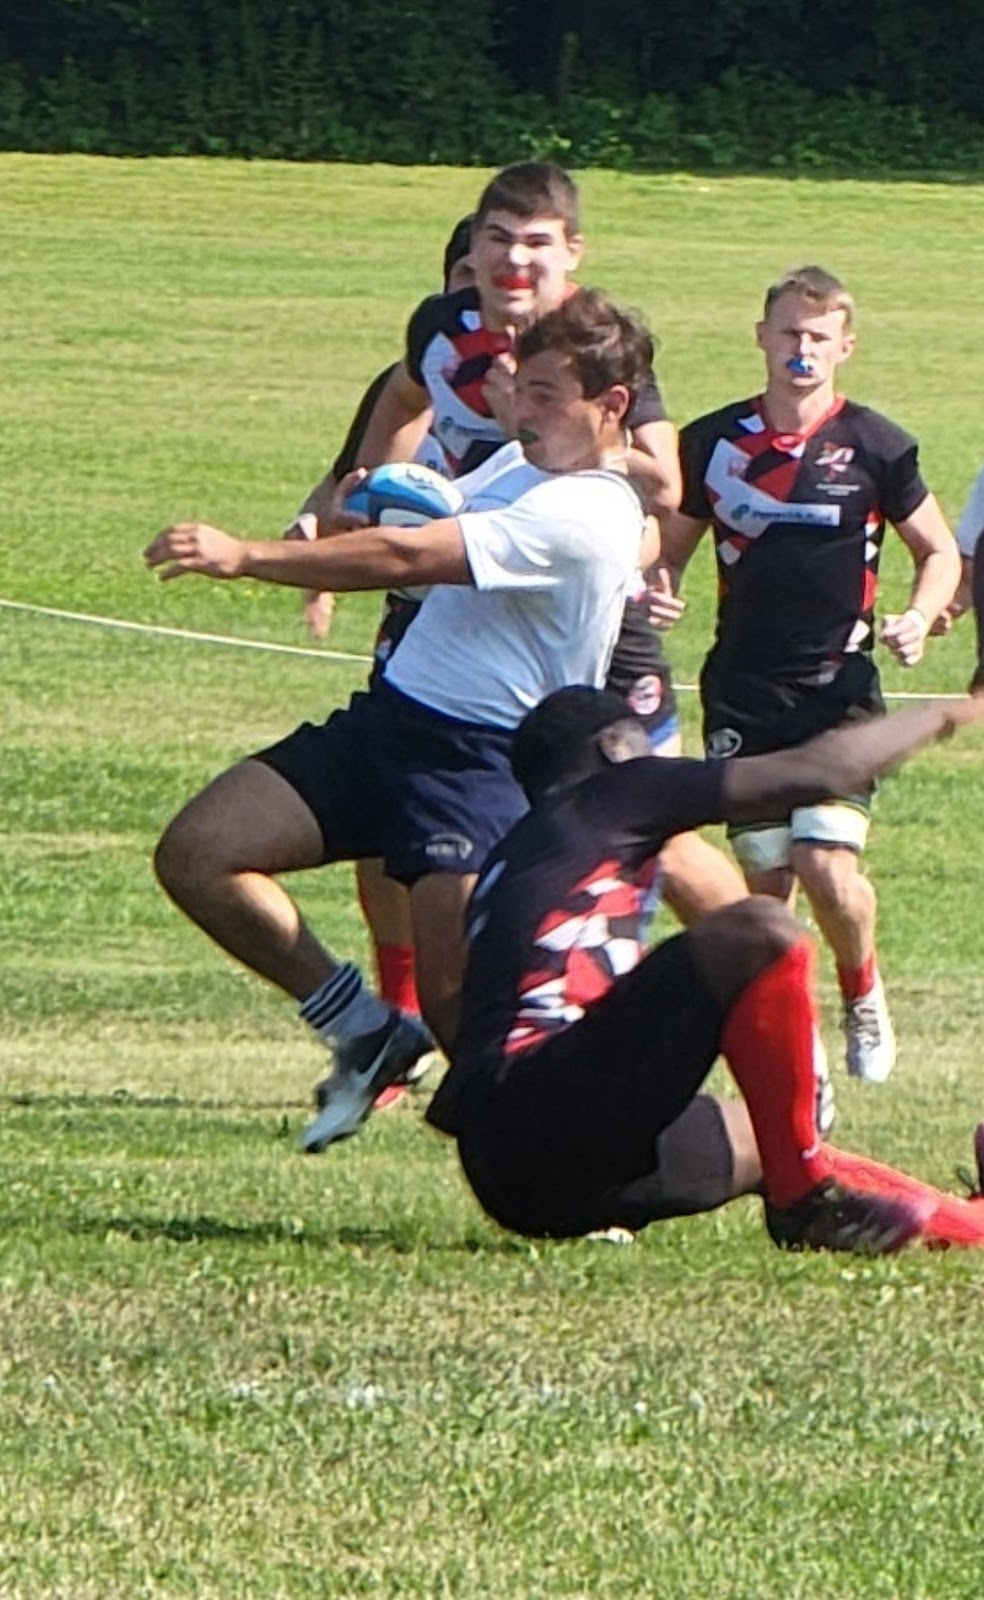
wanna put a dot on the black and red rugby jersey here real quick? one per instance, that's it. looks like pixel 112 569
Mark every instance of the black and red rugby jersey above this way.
pixel 558 911
pixel 798 523
pixel 449 352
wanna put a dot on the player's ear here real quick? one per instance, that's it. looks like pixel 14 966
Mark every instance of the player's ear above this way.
pixel 623 741
pixel 616 401
pixel 575 251
pixel 848 342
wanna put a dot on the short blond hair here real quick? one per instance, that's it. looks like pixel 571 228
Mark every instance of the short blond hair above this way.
pixel 821 288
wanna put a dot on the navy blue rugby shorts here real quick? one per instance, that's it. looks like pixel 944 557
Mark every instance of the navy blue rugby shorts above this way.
pixel 388 776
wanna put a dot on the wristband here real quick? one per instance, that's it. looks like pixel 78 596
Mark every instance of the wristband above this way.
pixel 914 611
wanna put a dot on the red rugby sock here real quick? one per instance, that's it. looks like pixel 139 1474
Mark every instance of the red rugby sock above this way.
pixel 396 969
pixel 856 981
pixel 768 1042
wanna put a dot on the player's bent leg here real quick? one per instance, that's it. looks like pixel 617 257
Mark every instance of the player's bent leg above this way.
pixel 762 851
pixel 218 859
pixel 844 905
pixel 841 897
pixel 733 945
pixel 755 960
pixel 437 906
pixel 952 1220
pixel 698 878
pixel 707 1157
pixel 386 907
pixel 778 883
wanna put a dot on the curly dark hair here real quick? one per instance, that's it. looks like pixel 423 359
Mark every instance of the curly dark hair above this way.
pixel 555 742
pixel 604 344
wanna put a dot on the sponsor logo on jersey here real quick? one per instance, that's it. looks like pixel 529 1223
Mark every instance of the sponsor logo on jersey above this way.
pixel 835 456
pixel 750 510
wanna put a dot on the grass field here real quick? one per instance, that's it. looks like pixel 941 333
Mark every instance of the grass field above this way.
pixel 225 1371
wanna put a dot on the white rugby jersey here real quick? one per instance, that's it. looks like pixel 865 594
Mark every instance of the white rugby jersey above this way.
pixel 553 558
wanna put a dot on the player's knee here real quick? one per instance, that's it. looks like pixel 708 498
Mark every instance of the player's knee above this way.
pixel 830 877
pixel 174 860
pixel 734 945
pixel 187 856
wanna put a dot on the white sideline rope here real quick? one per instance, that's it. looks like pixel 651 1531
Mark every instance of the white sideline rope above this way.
pixel 230 641
pixel 185 633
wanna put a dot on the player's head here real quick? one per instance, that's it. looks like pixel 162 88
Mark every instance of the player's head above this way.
pixel 458 270
pixel 578 371
pixel 526 239
pixel 571 734
pixel 807 328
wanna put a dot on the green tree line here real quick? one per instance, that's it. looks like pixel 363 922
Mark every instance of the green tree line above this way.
pixel 788 85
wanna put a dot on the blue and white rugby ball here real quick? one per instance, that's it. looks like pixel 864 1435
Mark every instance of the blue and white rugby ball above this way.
pixel 404 494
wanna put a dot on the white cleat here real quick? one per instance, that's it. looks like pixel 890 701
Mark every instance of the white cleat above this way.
pixel 826 1109
pixel 870 1036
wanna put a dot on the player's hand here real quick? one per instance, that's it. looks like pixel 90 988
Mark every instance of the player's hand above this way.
pixel 905 636
pixel 317 605
pixel 196 547
pixel 335 518
pixel 961 603
pixel 318 609
pixel 964 713
pixel 665 607
pixel 499 391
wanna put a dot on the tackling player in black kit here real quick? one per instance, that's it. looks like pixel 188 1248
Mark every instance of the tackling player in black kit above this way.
pixel 797 485
pixel 575 1063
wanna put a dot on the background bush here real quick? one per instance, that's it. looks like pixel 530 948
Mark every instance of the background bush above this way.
pixel 760 84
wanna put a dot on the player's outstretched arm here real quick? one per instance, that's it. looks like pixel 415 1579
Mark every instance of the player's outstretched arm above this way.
pixel 842 762
pixel 368 558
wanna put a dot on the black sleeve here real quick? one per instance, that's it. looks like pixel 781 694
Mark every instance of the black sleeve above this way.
pixel 892 458
pixel 645 802
pixel 647 406
pixel 904 490
pixel 843 761
pixel 347 458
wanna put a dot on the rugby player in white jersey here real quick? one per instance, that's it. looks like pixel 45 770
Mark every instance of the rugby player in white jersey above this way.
pixel 530 583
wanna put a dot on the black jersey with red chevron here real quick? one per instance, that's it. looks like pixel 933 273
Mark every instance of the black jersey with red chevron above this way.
pixel 559 910
pixel 798 523
pixel 449 351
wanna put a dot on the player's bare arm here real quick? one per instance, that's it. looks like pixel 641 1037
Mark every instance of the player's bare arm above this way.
pixel 679 537
pixel 367 558
pixel 936 580
pixel 845 761
pixel 398 423
pixel 653 462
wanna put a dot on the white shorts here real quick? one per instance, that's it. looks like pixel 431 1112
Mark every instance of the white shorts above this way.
pixel 764 847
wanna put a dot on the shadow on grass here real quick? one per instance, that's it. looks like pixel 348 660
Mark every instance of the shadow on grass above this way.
pixel 116 1099
pixel 396 1239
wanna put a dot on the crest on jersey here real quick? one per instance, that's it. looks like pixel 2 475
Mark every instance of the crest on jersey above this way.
pixel 723 742
pixel 836 457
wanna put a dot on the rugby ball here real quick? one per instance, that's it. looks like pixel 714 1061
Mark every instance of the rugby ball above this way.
pixel 404 494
